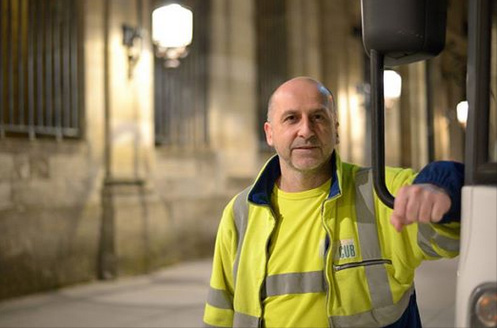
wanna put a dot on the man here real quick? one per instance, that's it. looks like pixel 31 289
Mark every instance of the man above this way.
pixel 310 245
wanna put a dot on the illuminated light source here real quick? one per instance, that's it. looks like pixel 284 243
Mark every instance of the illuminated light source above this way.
pixel 392 83
pixel 462 112
pixel 172 33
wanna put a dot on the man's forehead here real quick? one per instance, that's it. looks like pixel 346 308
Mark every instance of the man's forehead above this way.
pixel 300 92
pixel 298 100
pixel 303 110
pixel 300 96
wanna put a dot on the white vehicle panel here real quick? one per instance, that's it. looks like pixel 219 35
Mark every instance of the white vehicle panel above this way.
pixel 478 257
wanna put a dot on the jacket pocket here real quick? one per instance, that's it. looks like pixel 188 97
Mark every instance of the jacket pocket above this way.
pixel 339 267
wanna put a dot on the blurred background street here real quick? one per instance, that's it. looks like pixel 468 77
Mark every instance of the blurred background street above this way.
pixel 174 297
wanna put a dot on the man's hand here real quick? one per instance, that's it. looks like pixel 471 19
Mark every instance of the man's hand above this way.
pixel 422 203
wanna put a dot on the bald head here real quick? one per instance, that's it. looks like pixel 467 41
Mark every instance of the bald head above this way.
pixel 302 127
pixel 299 87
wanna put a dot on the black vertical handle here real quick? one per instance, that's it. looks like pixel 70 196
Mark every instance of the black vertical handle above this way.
pixel 378 131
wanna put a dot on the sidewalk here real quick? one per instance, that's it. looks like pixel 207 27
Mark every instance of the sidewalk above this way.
pixel 174 297
pixel 436 292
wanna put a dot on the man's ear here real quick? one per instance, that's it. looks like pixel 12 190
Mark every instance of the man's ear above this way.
pixel 337 134
pixel 269 133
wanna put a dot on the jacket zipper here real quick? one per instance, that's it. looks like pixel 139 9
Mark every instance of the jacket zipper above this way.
pixel 328 283
pixel 362 263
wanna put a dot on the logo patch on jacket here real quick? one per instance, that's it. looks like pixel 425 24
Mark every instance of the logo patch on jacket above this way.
pixel 347 249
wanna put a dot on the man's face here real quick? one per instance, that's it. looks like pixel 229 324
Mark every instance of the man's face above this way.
pixel 301 127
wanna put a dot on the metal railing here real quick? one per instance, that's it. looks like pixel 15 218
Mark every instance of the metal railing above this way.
pixel 39 77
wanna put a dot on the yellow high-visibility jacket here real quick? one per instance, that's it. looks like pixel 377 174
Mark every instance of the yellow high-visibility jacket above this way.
pixel 370 289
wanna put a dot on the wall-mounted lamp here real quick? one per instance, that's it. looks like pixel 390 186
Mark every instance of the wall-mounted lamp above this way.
pixel 392 84
pixel 130 37
pixel 462 112
pixel 172 32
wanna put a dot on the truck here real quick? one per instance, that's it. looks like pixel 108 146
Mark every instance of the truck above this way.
pixel 399 32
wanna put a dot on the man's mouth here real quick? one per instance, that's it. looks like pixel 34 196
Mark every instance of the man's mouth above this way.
pixel 305 148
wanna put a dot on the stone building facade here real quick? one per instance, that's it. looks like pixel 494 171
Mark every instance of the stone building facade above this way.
pixel 113 201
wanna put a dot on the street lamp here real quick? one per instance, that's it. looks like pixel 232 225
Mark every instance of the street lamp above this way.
pixel 393 84
pixel 462 112
pixel 172 32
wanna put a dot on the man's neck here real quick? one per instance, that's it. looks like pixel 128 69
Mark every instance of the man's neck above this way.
pixel 295 181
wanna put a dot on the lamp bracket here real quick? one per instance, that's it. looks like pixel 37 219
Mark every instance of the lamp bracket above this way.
pixel 130 36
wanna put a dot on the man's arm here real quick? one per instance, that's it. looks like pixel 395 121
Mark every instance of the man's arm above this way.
pixel 434 196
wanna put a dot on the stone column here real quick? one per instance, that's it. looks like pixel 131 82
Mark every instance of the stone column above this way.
pixel 232 91
pixel 343 73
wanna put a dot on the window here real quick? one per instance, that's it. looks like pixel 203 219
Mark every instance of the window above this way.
pixel 271 55
pixel 39 78
pixel 180 96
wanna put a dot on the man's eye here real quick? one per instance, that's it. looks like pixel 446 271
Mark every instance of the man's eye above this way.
pixel 290 118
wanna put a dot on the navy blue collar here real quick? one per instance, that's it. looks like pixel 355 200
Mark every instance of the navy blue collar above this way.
pixel 260 193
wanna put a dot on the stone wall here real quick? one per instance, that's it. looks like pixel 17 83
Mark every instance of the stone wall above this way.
pixel 49 215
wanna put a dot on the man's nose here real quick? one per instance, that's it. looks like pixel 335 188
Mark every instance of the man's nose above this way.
pixel 306 128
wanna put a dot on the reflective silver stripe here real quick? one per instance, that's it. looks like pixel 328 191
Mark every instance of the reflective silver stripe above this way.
pixel 245 321
pixel 365 213
pixel 446 243
pixel 376 275
pixel 379 287
pixel 240 213
pixel 295 283
pixel 376 318
pixel 220 298
pixel 427 235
